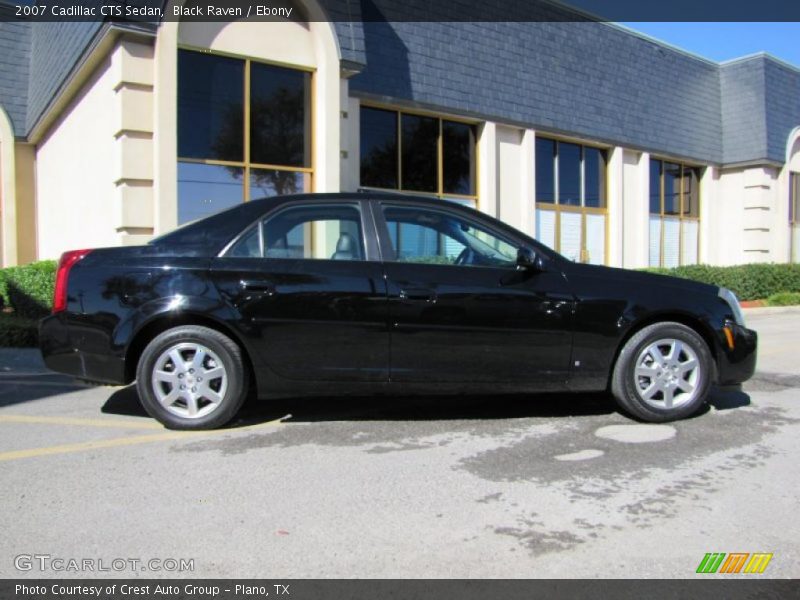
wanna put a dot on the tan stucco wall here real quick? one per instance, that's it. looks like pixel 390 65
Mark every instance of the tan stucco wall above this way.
pixel 26 203
pixel 74 175
pixel 8 209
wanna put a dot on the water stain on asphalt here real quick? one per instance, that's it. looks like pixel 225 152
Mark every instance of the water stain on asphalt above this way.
pixel 529 458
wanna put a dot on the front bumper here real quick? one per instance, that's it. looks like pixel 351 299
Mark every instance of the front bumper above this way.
pixel 738 364
pixel 74 349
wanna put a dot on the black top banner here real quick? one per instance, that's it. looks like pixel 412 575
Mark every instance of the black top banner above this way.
pixel 154 11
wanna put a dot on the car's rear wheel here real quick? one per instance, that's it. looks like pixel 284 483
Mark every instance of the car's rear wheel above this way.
pixel 191 377
pixel 664 372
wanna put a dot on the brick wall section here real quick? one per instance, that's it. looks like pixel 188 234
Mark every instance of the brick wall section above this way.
pixel 14 61
pixel 589 79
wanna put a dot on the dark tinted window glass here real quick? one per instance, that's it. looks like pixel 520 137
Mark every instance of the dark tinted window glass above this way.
pixel 279 116
pixel 545 171
pixel 248 246
pixel 378 148
pixel 322 232
pixel 421 235
pixel 794 202
pixel 458 158
pixel 655 186
pixel 672 188
pixel 206 189
pixel 691 192
pixel 569 174
pixel 420 137
pixel 210 107
pixel 594 168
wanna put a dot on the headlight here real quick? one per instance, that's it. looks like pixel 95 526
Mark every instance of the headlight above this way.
pixel 733 302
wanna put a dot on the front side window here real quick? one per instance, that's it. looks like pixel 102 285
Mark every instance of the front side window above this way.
pixel 430 236
pixel 794 215
pixel 418 153
pixel 323 232
pixel 244 132
pixel 674 214
pixel 571 199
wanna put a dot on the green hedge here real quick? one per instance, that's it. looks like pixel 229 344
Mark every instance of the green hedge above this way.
pixel 748 282
pixel 784 299
pixel 28 290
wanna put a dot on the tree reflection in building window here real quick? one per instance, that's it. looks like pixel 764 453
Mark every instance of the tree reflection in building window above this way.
pixel 418 153
pixel 241 121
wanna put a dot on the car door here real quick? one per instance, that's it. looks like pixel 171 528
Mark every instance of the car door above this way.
pixel 460 309
pixel 311 292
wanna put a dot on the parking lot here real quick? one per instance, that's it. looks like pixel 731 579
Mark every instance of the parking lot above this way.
pixel 519 486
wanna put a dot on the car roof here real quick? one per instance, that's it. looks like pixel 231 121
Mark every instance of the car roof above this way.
pixel 212 232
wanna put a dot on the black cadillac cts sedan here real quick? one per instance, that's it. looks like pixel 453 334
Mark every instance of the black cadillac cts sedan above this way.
pixel 373 293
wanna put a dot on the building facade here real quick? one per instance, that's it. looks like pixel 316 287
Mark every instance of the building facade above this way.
pixel 604 144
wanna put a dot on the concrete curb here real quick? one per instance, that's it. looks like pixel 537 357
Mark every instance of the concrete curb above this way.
pixel 770 310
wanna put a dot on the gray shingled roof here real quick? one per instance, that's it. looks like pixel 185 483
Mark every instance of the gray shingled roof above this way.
pixel 588 79
pixel 14 64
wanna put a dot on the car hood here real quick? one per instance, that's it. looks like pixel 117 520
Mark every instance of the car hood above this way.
pixel 607 274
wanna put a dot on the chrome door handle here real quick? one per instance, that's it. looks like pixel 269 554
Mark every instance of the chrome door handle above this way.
pixel 257 286
pixel 418 294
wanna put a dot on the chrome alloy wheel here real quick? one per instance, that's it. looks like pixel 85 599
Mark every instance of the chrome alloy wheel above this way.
pixel 668 374
pixel 189 380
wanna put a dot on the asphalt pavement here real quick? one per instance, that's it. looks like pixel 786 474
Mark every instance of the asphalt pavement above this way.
pixel 517 486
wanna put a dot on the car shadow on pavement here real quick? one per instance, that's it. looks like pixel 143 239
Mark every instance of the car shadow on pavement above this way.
pixel 729 398
pixel 16 388
pixel 125 402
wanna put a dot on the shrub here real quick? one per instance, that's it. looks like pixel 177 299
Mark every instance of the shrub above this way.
pixel 28 289
pixel 784 299
pixel 748 282
pixel 17 332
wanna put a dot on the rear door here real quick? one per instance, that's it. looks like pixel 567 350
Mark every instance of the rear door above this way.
pixel 311 291
pixel 460 310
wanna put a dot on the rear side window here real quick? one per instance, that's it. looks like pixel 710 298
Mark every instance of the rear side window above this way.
pixel 317 232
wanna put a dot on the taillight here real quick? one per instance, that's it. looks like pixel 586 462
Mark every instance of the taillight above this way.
pixel 62 275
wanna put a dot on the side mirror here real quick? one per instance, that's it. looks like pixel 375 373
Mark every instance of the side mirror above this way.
pixel 528 260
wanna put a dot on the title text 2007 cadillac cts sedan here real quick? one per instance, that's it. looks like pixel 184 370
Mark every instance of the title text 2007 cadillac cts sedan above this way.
pixel 369 293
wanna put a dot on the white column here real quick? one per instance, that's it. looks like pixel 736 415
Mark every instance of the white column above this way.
pixel 487 169
pixel 616 207
pixel 759 200
pixel 527 218
pixel 351 142
pixel 709 230
pixel 165 118
pixel 636 211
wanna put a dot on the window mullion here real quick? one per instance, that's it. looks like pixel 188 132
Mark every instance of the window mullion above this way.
pixel 246 186
pixel 440 161
pixel 399 150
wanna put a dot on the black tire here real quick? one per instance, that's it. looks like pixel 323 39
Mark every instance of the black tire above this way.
pixel 235 378
pixel 626 385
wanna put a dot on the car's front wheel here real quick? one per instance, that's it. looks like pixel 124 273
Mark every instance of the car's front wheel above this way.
pixel 663 373
pixel 192 377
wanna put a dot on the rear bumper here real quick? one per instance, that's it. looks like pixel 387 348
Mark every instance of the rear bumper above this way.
pixel 737 365
pixel 63 347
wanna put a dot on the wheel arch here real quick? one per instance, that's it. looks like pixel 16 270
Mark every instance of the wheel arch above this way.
pixel 695 324
pixel 164 322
